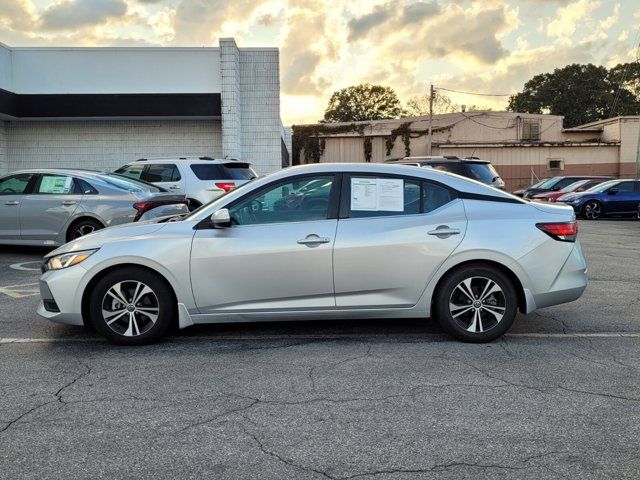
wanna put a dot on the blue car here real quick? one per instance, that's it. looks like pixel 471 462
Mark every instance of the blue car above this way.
pixel 612 198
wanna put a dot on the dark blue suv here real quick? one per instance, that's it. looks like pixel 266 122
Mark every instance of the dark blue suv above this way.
pixel 615 197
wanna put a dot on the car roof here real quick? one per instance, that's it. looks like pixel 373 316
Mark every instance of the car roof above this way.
pixel 202 159
pixel 432 159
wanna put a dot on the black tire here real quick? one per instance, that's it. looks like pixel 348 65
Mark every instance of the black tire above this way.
pixel 592 210
pixel 142 329
pixel 83 227
pixel 451 296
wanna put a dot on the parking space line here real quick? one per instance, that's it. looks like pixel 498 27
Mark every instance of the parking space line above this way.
pixel 9 340
pixel 21 291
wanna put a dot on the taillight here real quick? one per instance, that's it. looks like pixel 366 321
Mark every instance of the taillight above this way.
pixel 226 186
pixel 143 207
pixel 564 232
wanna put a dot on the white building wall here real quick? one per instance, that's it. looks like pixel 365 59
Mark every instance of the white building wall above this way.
pixel 115 70
pixel 231 111
pixel 3 148
pixel 260 108
pixel 107 144
pixel 5 68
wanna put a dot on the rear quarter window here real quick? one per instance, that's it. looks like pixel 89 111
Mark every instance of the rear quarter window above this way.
pixel 216 171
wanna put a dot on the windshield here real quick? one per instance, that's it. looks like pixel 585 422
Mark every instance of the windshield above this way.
pixel 574 186
pixel 129 184
pixel 547 183
pixel 213 205
pixel 484 172
pixel 603 186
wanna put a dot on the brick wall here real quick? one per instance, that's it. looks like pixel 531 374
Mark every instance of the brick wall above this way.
pixel 107 144
pixel 231 112
pixel 260 108
pixel 3 148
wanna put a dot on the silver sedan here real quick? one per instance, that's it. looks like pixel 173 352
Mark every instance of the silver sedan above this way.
pixel 325 241
pixel 54 206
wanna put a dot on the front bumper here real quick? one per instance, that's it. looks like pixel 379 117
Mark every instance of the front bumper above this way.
pixel 59 289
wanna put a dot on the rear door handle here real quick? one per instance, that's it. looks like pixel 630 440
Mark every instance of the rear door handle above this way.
pixel 173 187
pixel 69 202
pixel 313 239
pixel 12 202
pixel 443 231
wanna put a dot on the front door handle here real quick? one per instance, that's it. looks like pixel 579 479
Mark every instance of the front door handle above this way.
pixel 173 187
pixel 69 202
pixel 443 231
pixel 12 202
pixel 313 240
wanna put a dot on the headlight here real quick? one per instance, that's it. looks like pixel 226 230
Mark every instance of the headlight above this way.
pixel 65 260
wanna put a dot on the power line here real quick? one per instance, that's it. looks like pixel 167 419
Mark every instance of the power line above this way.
pixel 476 93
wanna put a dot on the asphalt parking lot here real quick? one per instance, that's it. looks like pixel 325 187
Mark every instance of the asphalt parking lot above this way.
pixel 557 397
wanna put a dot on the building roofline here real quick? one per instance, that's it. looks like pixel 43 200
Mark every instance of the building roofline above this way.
pixel 606 121
pixel 516 144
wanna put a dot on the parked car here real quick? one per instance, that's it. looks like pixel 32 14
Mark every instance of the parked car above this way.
pixel 387 242
pixel 201 179
pixel 615 197
pixel 474 168
pixel 556 184
pixel 54 206
pixel 520 191
pixel 579 186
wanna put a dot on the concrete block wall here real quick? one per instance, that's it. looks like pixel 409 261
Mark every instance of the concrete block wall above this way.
pixel 4 141
pixel 230 96
pixel 260 106
pixel 107 144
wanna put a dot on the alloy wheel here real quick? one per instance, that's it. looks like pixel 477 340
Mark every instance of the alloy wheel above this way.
pixel 83 230
pixel 477 304
pixel 130 308
pixel 592 210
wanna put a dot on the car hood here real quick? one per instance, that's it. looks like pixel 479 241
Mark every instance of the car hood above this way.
pixel 567 197
pixel 109 235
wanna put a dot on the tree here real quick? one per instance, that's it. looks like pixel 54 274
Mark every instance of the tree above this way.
pixel 363 102
pixel 627 75
pixel 582 93
pixel 419 105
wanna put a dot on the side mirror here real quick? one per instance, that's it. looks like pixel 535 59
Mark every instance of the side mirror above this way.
pixel 612 191
pixel 221 218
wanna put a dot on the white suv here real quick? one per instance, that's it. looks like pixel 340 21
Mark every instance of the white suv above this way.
pixel 201 179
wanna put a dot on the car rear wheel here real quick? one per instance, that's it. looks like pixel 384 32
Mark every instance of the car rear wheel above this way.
pixel 83 227
pixel 592 210
pixel 132 306
pixel 476 303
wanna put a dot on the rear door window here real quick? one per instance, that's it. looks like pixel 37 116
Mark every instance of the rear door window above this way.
pixel 378 196
pixel 228 171
pixel 161 172
pixel 53 184
pixel 434 196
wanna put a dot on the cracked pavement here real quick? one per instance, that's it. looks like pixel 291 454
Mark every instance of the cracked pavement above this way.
pixel 334 400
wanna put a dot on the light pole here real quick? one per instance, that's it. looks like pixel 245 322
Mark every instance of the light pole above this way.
pixel 430 138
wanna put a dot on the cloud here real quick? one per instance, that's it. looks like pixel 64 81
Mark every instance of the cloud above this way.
pixel 71 14
pixel 18 14
pixel 361 26
pixel 567 18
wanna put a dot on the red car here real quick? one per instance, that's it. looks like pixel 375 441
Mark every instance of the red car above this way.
pixel 579 186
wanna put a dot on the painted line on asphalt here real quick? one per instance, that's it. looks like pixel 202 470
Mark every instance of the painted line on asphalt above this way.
pixel 21 266
pixel 21 291
pixel 326 337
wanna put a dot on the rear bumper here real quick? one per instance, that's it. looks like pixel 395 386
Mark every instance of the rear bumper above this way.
pixel 569 284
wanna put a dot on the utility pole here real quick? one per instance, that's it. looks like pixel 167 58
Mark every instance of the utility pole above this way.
pixel 430 139
pixel 638 153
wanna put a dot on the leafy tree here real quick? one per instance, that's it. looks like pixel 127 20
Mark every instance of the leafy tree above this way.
pixel 419 105
pixel 363 102
pixel 628 76
pixel 582 93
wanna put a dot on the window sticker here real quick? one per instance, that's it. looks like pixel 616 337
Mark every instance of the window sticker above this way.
pixel 377 194
pixel 53 184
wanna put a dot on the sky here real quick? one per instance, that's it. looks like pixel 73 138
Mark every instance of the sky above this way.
pixel 488 46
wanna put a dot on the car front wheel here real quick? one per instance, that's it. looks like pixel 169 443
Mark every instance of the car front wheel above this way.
pixel 132 306
pixel 592 210
pixel 476 303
